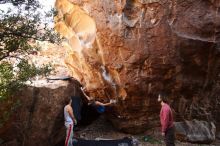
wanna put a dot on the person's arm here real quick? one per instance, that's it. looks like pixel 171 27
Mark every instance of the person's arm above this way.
pixel 89 98
pixel 70 111
pixel 112 101
pixel 102 104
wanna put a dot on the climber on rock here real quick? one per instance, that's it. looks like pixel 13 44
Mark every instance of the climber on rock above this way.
pixel 100 107
pixel 70 121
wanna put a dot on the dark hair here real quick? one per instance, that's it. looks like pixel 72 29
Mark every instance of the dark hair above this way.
pixel 164 97
pixel 67 100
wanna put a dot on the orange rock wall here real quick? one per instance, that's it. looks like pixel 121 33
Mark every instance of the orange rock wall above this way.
pixel 130 50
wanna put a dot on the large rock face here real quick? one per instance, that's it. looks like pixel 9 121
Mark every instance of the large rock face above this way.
pixel 38 118
pixel 130 50
pixel 34 116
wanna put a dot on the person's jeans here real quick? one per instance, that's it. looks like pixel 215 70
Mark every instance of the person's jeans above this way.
pixel 69 135
pixel 170 137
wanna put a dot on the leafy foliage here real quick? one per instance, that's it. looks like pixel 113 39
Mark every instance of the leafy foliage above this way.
pixel 19 31
pixel 12 80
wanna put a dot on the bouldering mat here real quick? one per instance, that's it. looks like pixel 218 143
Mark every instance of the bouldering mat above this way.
pixel 118 142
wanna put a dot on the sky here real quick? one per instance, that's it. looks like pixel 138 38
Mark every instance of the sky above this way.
pixel 47 5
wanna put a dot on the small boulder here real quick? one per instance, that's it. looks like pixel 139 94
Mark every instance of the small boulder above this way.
pixel 195 131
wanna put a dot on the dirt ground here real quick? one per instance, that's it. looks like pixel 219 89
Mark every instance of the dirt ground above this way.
pixel 102 129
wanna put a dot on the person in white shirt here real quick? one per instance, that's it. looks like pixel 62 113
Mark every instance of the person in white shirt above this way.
pixel 70 120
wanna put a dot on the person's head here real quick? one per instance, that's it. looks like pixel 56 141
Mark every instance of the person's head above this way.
pixel 162 97
pixel 68 101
